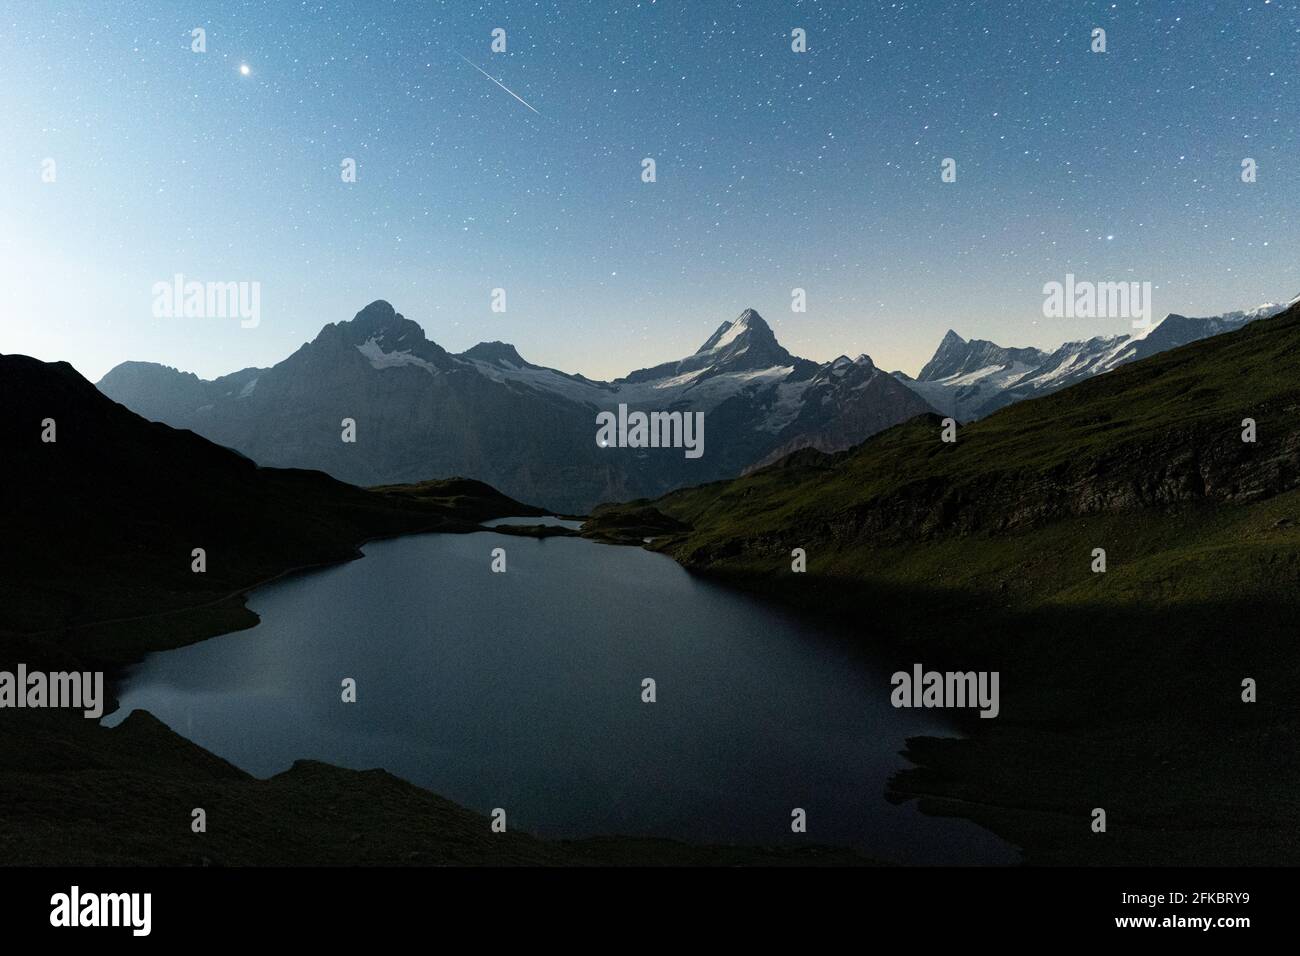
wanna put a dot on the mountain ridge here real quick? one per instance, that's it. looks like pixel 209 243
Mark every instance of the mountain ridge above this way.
pixel 971 379
pixel 527 429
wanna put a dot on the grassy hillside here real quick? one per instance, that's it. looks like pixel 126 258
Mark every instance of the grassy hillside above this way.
pixel 1120 690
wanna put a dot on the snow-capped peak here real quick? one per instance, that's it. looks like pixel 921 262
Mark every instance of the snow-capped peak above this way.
pixel 972 379
pixel 748 324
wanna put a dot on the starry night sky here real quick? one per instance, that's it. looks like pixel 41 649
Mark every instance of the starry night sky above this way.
pixel 775 170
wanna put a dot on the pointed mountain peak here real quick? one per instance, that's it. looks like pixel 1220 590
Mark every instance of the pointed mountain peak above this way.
pixel 744 344
pixel 379 318
pixel 747 329
pixel 378 321
pixel 379 332
pixel 947 358
pixel 378 315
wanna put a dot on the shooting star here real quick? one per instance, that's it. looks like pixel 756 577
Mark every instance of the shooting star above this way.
pixel 496 81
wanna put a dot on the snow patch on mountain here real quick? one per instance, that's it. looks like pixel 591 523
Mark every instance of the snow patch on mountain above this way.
pixel 378 358
pixel 573 388
pixel 971 379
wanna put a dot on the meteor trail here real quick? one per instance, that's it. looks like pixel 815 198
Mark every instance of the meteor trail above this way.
pixel 496 81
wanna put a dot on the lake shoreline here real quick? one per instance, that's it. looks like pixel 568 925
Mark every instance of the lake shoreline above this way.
pixel 306 612
pixel 1012 777
pixel 122 796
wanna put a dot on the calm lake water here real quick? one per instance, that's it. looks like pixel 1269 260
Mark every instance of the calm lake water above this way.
pixel 523 690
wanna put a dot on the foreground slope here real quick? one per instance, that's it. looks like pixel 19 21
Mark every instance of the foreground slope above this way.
pixel 98 528
pixel 1122 689
pixel 101 522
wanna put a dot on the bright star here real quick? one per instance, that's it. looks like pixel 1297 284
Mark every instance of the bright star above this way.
pixel 244 69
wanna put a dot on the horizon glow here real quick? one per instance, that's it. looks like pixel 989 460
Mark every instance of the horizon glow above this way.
pixel 775 170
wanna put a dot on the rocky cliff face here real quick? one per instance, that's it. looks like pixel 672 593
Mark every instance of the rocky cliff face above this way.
pixel 865 401
pixel 1187 466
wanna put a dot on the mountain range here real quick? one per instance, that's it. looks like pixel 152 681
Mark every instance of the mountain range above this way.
pixel 971 379
pixel 529 430
pixel 489 414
